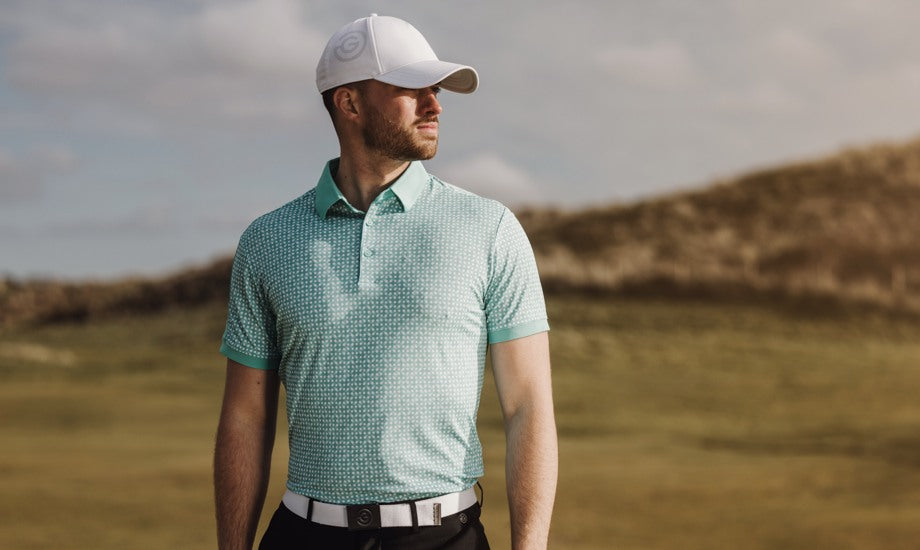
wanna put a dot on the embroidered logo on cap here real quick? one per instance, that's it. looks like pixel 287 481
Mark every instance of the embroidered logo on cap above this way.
pixel 350 46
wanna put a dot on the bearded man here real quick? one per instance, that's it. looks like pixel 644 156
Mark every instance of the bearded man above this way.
pixel 373 298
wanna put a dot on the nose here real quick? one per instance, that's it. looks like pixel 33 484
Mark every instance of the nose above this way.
pixel 429 104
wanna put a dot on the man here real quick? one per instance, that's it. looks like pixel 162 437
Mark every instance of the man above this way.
pixel 373 298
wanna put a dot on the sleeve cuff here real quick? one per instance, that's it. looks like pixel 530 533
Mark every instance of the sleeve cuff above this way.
pixel 261 363
pixel 518 331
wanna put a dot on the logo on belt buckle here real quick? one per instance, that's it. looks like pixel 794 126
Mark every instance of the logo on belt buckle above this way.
pixel 363 516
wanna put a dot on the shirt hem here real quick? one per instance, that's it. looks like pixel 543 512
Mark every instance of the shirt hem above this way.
pixel 251 361
pixel 379 498
pixel 518 331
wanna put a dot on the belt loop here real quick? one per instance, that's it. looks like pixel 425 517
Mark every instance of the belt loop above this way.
pixel 310 509
pixel 482 494
pixel 413 508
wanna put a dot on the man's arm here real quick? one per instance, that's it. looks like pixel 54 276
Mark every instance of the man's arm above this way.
pixel 522 376
pixel 242 455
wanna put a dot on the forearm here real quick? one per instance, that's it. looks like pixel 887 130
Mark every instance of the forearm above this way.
pixel 242 461
pixel 531 469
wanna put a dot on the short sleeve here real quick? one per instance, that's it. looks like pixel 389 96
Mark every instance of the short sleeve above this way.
pixel 514 302
pixel 249 337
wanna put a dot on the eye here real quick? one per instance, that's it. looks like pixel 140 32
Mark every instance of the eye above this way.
pixel 436 90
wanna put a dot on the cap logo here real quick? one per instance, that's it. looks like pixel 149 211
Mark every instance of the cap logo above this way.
pixel 350 46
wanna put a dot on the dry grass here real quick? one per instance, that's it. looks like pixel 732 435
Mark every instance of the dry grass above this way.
pixel 838 229
pixel 681 425
pixel 49 301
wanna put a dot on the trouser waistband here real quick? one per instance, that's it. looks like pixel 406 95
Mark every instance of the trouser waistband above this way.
pixel 424 512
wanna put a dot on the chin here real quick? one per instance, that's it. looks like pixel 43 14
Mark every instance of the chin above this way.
pixel 428 151
pixel 425 151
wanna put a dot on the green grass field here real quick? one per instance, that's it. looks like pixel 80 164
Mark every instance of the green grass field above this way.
pixel 681 425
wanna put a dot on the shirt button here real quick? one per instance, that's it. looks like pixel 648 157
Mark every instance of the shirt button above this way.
pixel 369 252
pixel 368 222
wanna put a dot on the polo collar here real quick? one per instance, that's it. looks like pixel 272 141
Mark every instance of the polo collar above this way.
pixel 407 188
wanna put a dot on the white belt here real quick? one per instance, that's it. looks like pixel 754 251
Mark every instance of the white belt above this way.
pixel 372 516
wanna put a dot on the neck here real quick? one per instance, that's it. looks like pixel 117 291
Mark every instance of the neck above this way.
pixel 361 178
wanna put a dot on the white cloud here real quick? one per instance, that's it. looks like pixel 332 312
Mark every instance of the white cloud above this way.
pixel 490 175
pixel 665 65
pixel 263 36
pixel 23 176
pixel 791 48
pixel 246 61
pixel 764 97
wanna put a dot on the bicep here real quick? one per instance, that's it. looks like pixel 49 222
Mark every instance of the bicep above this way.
pixel 522 373
pixel 250 394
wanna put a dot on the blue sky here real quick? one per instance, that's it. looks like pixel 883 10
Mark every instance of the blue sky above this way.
pixel 140 137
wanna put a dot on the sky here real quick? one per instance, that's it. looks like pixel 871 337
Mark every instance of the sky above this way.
pixel 138 138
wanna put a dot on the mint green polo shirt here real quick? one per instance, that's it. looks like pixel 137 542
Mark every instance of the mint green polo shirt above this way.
pixel 378 324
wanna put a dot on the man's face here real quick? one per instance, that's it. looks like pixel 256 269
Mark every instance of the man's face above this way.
pixel 401 123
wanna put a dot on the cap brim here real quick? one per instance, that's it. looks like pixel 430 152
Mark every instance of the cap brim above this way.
pixel 422 74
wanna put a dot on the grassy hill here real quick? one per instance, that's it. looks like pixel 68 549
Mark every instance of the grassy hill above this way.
pixel 841 228
pixel 44 301
pixel 835 230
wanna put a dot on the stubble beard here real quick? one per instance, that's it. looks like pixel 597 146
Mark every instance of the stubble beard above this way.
pixel 394 141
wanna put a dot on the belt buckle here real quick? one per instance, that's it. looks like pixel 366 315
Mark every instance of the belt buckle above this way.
pixel 363 516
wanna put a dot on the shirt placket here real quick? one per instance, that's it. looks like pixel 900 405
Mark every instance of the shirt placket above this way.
pixel 370 247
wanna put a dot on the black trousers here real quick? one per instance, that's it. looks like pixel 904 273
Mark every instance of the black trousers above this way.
pixel 461 531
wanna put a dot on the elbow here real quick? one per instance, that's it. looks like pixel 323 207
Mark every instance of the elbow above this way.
pixel 531 415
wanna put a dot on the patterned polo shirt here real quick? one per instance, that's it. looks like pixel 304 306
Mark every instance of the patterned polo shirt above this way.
pixel 378 324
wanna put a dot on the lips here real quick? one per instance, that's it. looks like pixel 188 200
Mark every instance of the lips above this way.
pixel 426 124
pixel 428 127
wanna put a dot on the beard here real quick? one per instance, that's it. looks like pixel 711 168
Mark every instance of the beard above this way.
pixel 395 142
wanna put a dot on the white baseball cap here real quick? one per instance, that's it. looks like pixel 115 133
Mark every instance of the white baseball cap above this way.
pixel 391 51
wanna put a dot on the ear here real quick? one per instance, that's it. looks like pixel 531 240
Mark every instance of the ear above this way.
pixel 346 102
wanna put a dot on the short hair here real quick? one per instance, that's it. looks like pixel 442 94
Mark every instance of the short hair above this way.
pixel 328 102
